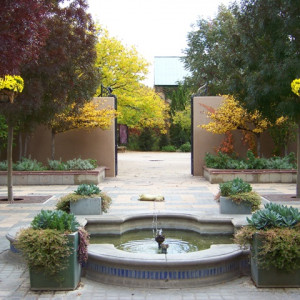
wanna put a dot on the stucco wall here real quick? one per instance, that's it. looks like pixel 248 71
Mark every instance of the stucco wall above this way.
pixel 95 143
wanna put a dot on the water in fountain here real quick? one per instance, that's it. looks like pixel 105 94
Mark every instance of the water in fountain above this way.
pixel 179 241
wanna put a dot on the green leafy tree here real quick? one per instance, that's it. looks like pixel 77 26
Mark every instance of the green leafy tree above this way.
pixel 123 70
pixel 270 42
pixel 180 114
pixel 212 54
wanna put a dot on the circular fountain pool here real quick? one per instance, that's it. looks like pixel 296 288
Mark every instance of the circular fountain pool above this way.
pixel 219 263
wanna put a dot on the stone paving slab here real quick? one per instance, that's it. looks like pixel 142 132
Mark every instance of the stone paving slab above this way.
pixel 165 174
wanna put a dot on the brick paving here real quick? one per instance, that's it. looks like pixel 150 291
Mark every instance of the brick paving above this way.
pixel 167 174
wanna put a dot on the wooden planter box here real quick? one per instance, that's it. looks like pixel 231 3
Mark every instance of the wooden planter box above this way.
pixel 55 177
pixel 271 277
pixel 67 279
pixel 251 176
pixel 86 206
pixel 227 206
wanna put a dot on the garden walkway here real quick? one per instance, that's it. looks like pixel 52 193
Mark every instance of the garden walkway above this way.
pixel 167 174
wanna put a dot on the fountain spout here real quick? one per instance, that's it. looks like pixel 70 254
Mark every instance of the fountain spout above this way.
pixel 159 238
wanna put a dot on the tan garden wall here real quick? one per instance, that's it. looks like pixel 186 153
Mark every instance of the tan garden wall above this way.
pixel 95 143
pixel 204 141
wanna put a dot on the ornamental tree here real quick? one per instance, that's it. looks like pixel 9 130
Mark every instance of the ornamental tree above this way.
pixel 65 72
pixel 22 34
pixel 87 117
pixel 232 116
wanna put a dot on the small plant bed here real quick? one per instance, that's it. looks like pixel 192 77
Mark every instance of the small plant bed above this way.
pixel 54 247
pixel 88 199
pixel 72 172
pixel 274 236
pixel 236 197
pixel 222 167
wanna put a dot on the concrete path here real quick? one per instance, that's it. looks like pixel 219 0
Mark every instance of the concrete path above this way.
pixel 167 174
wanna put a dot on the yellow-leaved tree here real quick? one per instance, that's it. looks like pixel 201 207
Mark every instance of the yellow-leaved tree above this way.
pixel 232 116
pixel 123 70
pixel 91 115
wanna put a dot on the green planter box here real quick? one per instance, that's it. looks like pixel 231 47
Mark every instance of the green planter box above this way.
pixel 227 206
pixel 69 277
pixel 86 206
pixel 271 277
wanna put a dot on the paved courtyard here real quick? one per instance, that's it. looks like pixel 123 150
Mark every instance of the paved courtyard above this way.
pixel 167 174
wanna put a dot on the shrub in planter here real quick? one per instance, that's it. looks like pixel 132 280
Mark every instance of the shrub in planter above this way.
pixel 53 247
pixel 84 193
pixel 274 236
pixel 236 197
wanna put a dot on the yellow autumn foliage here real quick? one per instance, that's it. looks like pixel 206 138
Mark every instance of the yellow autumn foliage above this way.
pixel 295 85
pixel 88 117
pixel 231 116
pixel 123 70
pixel 14 83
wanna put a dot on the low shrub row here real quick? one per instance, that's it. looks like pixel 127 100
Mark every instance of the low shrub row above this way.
pixel 224 161
pixel 27 164
pixel 183 148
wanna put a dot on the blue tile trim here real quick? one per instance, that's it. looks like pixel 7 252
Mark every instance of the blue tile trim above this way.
pixel 169 275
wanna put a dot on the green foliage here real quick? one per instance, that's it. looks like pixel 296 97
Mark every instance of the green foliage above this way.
pixel 280 248
pixel 146 140
pixel 3 132
pixel 233 187
pixel 224 161
pixel 168 148
pixel 277 231
pixel 212 52
pixel 282 135
pixel 87 189
pixel 44 249
pixel 64 202
pixel 251 198
pixel 185 147
pixel 164 140
pixel 27 164
pixel 3 165
pixel 179 135
pixel 80 164
pixel 57 165
pixel 56 219
pixel 275 215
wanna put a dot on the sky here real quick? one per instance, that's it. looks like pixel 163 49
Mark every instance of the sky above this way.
pixel 153 27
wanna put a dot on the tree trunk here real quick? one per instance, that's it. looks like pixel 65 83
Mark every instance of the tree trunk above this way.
pixel 298 162
pixel 52 144
pixel 20 146
pixel 258 145
pixel 9 163
pixel 26 144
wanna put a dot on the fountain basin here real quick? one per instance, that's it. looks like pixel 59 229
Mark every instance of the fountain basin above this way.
pixel 106 264
pixel 220 263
